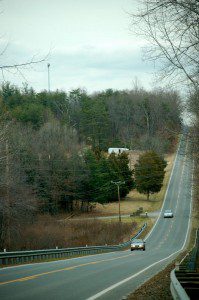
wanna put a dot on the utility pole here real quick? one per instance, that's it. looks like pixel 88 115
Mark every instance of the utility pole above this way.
pixel 118 183
pixel 48 65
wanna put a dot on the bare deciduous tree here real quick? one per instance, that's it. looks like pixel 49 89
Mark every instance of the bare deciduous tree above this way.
pixel 17 201
pixel 172 28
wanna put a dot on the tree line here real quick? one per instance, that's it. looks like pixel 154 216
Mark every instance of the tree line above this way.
pixel 136 119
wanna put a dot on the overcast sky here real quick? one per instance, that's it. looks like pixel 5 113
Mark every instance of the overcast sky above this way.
pixel 90 44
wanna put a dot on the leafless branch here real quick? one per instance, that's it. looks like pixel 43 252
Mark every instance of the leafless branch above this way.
pixel 22 64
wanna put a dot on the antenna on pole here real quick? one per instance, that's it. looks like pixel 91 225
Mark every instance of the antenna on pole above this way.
pixel 48 65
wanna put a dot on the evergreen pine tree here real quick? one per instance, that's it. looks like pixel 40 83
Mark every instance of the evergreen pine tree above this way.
pixel 149 173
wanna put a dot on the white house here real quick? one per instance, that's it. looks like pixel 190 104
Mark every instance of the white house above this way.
pixel 117 150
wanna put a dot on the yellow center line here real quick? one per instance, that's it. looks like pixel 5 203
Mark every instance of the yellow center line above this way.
pixel 61 270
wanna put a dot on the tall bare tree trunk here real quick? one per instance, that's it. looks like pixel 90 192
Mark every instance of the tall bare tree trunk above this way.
pixel 148 194
pixel 5 234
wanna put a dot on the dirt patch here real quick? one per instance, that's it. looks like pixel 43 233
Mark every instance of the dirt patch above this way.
pixel 133 157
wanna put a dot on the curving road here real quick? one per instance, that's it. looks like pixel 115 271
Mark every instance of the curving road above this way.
pixel 111 275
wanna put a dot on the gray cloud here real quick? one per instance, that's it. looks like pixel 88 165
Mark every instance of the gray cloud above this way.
pixel 81 67
pixel 90 41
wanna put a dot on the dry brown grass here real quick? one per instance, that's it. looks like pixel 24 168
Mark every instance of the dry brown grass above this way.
pixel 47 233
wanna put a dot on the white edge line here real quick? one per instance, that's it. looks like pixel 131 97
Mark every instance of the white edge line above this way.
pixel 157 262
pixel 148 235
pixel 190 209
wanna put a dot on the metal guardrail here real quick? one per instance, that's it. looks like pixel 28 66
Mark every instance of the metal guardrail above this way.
pixel 184 278
pixel 17 257
pixel 177 291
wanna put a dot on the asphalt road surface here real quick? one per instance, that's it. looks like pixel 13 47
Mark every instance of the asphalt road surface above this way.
pixel 112 275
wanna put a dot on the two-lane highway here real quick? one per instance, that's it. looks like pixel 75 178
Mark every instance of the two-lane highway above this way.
pixel 111 275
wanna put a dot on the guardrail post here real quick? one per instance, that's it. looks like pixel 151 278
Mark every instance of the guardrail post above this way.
pixel 177 266
pixel 184 273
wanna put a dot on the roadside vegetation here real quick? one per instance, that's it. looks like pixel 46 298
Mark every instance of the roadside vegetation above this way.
pixel 47 232
pixel 80 229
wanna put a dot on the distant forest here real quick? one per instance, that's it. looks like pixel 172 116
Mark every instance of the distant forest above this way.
pixel 136 119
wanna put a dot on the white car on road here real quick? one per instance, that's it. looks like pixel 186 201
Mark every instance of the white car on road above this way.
pixel 168 213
